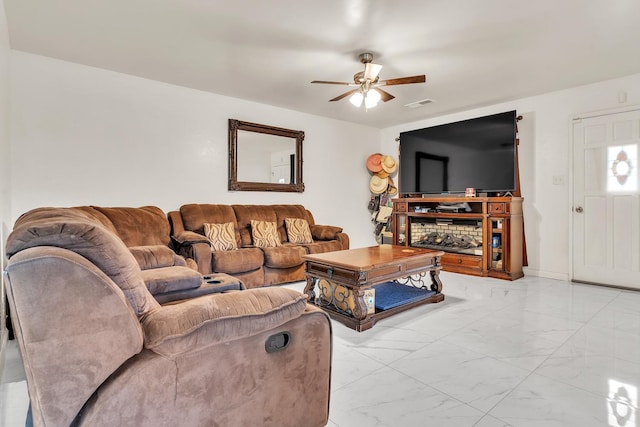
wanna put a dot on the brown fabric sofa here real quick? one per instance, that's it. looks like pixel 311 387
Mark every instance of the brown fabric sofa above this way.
pixel 99 350
pixel 145 231
pixel 254 266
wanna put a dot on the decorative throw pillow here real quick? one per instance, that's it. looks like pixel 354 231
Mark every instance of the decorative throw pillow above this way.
pixel 264 234
pixel 221 236
pixel 298 230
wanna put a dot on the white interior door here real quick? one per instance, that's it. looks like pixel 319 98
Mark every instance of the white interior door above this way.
pixel 606 216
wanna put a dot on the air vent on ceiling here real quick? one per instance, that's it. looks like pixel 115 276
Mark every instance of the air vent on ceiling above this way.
pixel 420 103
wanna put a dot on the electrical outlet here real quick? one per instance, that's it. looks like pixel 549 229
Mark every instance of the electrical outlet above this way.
pixel 558 179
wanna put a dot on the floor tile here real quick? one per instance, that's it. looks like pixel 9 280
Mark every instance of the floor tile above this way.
pixel 386 344
pixel 540 401
pixel 597 340
pixel 389 398
pixel 489 421
pixel 591 372
pixel 14 403
pixel 470 377
pixel 526 351
pixel 13 370
pixel 348 365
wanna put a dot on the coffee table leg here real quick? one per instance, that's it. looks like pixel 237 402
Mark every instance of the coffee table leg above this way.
pixel 359 306
pixel 436 284
pixel 310 289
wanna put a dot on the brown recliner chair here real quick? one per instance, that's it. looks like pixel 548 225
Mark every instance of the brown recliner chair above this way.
pixel 145 231
pixel 99 350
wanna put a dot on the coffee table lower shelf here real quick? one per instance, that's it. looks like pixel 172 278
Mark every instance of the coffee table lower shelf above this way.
pixel 371 319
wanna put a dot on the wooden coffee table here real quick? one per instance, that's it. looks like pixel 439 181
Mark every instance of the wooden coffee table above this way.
pixel 343 278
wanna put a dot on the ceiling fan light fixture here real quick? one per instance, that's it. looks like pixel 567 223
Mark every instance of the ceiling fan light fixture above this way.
pixel 371 98
pixel 367 83
pixel 356 99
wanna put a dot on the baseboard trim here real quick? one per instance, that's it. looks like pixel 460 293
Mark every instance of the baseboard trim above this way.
pixel 546 274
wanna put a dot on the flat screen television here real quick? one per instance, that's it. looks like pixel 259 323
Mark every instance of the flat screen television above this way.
pixel 477 153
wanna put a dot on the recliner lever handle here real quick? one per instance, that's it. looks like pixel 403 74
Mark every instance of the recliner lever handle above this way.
pixel 277 342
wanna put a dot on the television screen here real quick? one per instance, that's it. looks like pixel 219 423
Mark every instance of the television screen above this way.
pixel 477 153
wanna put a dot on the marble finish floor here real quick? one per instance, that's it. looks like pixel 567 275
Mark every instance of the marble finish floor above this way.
pixel 533 352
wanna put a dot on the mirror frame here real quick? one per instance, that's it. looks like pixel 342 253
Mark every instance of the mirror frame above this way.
pixel 235 185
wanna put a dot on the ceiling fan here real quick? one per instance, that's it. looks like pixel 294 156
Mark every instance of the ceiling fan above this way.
pixel 368 84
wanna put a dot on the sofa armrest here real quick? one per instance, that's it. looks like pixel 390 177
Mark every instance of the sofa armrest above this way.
pixel 343 238
pixel 189 238
pixel 202 322
pixel 325 232
pixel 155 256
pixel 197 256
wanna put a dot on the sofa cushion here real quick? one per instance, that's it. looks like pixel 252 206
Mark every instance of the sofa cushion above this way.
pixel 246 213
pixel 143 226
pixel 264 234
pixel 194 216
pixel 155 256
pixel 230 262
pixel 322 247
pixel 221 236
pixel 169 279
pixel 298 230
pixel 284 256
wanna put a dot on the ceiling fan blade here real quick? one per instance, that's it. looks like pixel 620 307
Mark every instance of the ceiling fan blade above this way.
pixel 332 83
pixel 384 96
pixel 344 95
pixel 371 71
pixel 403 80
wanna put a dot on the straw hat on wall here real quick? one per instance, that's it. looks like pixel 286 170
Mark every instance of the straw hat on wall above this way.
pixel 374 163
pixel 392 190
pixel 388 164
pixel 378 185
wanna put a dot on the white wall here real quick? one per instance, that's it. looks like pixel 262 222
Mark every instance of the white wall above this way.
pixel 545 144
pixel 5 165
pixel 82 135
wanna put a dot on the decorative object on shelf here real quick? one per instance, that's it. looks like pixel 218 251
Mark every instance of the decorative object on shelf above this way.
pixel 470 192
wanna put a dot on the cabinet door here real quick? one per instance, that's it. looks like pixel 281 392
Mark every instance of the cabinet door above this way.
pixel 400 230
pixel 498 245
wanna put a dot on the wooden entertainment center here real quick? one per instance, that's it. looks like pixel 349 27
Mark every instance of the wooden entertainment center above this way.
pixel 489 229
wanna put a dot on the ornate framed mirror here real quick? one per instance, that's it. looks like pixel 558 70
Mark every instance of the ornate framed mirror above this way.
pixel 264 158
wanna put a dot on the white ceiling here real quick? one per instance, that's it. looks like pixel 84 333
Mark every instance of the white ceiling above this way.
pixel 473 52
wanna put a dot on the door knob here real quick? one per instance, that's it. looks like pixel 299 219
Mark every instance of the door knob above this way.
pixel 579 209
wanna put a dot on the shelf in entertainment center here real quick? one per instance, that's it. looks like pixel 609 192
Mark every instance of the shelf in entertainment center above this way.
pixel 465 251
pixel 468 215
pixel 485 213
